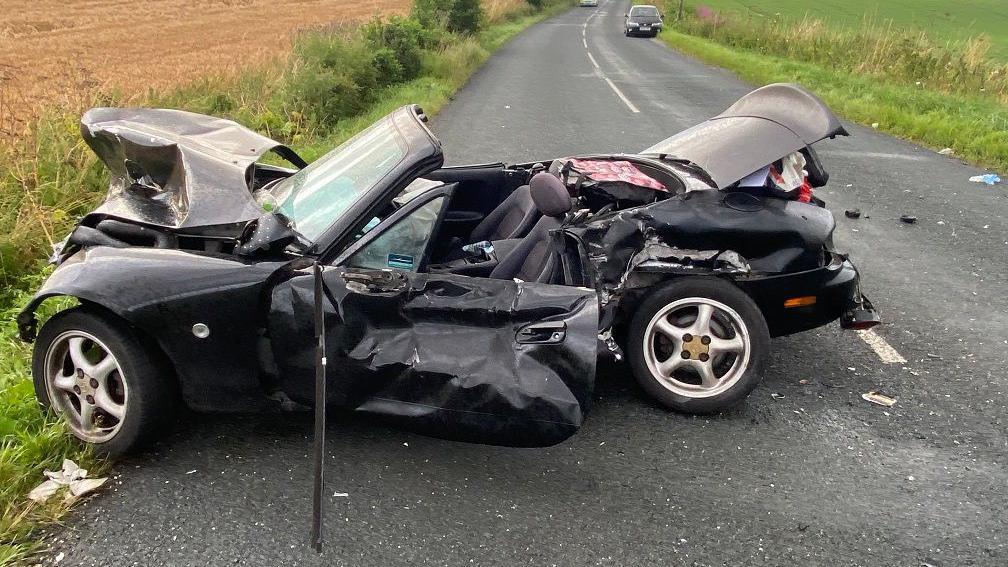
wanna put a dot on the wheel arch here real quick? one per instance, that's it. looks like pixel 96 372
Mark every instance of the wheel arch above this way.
pixel 28 322
pixel 162 295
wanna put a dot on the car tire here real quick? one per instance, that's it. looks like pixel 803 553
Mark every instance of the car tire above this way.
pixel 689 366
pixel 111 389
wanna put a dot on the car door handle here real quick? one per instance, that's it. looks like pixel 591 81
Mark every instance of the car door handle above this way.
pixel 544 332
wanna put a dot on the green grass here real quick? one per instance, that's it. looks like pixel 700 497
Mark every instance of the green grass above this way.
pixel 955 20
pixel 939 96
pixel 46 185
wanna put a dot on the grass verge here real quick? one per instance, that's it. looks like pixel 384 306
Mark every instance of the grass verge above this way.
pixel 870 85
pixel 54 178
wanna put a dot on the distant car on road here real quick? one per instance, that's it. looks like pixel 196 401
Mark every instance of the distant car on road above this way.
pixel 643 20
pixel 588 3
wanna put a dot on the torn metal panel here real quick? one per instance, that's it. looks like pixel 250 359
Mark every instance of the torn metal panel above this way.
pixel 177 169
pixel 446 355
pixel 700 233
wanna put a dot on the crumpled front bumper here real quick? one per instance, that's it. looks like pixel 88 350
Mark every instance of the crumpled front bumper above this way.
pixel 835 287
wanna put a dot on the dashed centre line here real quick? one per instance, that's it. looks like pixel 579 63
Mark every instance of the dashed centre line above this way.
pixel 612 85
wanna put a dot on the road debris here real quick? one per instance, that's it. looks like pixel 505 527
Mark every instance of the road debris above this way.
pixel 341 495
pixel 989 179
pixel 803 381
pixel 72 477
pixel 879 398
pixel 909 219
pixel 874 125
pixel 853 213
pixel 777 396
pixel 946 151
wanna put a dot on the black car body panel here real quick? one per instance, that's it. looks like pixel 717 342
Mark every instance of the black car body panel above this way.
pixel 471 358
pixel 697 233
pixel 762 127
pixel 446 355
pixel 163 293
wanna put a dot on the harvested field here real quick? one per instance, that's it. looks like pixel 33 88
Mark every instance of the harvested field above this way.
pixel 64 52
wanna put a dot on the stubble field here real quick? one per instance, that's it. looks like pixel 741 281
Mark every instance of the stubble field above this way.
pixel 64 53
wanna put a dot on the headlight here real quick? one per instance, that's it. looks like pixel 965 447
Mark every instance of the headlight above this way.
pixel 633 24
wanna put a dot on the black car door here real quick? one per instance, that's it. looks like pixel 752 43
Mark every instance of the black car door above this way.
pixel 473 359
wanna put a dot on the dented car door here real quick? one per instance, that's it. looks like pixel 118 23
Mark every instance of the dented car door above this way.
pixel 471 359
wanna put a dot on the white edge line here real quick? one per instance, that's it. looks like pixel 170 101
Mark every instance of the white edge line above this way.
pixel 595 63
pixel 884 350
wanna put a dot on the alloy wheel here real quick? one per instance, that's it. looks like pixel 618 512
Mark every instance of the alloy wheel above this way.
pixel 86 385
pixel 697 347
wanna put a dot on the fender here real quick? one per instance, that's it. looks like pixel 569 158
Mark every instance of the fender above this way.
pixel 164 293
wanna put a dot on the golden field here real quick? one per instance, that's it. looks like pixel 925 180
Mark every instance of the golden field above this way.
pixel 63 52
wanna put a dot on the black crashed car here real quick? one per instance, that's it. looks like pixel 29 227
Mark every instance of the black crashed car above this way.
pixel 468 303
pixel 642 20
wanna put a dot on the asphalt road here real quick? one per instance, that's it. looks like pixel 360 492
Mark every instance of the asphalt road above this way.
pixel 812 476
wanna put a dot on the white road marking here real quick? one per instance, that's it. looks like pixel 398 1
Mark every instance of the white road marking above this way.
pixel 598 70
pixel 884 350
pixel 622 96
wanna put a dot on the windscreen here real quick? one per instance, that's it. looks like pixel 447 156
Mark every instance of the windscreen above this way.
pixel 644 12
pixel 315 197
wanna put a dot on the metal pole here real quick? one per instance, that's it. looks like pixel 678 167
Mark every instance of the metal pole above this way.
pixel 320 410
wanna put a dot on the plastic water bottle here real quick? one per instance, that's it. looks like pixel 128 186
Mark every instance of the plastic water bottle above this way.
pixel 989 179
pixel 484 247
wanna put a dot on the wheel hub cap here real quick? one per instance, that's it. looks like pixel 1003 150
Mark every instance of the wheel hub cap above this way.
pixel 694 348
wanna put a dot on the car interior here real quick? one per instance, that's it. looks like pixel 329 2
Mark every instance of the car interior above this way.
pixel 499 219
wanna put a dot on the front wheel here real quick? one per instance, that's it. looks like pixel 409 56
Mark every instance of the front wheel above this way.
pixel 698 345
pixel 108 386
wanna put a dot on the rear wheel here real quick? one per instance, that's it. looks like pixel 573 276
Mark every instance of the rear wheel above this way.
pixel 110 389
pixel 698 345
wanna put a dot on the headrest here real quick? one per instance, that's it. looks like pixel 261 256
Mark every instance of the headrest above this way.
pixel 549 194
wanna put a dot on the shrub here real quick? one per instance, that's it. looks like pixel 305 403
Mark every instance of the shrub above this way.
pixel 465 17
pixel 397 44
pixel 333 77
pixel 432 13
pixel 457 16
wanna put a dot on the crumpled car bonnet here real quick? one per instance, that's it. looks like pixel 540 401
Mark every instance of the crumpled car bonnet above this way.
pixel 760 128
pixel 177 169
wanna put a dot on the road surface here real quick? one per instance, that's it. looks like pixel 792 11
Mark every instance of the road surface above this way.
pixel 802 473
